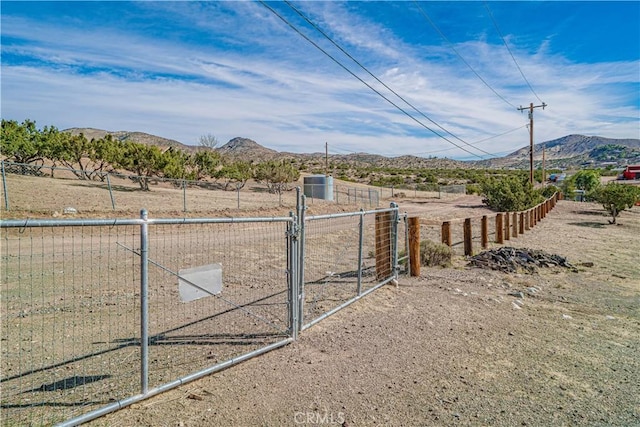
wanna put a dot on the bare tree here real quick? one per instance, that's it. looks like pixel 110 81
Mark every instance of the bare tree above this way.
pixel 208 141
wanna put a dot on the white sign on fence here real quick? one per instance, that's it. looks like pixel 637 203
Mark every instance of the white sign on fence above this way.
pixel 199 282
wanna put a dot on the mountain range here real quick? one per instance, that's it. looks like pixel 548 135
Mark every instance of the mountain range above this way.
pixel 566 152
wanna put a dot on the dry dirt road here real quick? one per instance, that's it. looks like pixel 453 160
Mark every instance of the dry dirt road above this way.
pixel 453 347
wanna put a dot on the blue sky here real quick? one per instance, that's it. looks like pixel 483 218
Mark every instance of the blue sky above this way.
pixel 235 68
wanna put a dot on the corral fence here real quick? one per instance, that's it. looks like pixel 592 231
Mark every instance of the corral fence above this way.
pixel 343 194
pixel 187 195
pixel 176 194
pixel 99 314
pixel 465 234
pixel 424 191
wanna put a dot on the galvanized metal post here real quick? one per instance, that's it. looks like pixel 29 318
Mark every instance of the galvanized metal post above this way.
pixel 360 251
pixel 293 277
pixel 302 207
pixel 4 187
pixel 394 241
pixel 113 202
pixel 184 195
pixel 144 303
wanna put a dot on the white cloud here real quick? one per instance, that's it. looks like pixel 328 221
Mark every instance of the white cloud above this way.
pixel 286 95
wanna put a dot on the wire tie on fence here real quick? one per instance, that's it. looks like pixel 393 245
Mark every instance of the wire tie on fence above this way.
pixel 24 227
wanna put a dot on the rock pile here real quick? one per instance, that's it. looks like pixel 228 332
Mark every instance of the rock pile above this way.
pixel 513 260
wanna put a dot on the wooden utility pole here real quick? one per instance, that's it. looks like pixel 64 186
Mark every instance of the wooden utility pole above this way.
pixel 326 159
pixel 530 108
pixel 543 160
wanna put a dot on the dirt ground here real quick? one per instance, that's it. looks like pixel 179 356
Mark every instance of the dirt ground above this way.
pixel 453 347
pixel 456 346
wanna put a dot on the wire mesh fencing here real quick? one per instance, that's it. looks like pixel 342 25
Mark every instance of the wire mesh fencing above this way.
pixel 84 326
pixel 345 257
pixel 119 192
pixel 69 323
pixel 99 314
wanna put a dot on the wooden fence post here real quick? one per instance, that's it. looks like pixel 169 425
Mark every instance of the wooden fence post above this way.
pixel 383 245
pixel 499 229
pixel 468 246
pixel 446 233
pixel 515 224
pixel 414 245
pixel 521 223
pixel 485 232
pixel 507 226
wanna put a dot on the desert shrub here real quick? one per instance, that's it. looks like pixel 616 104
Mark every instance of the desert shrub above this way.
pixel 587 180
pixel 473 189
pixel 549 191
pixel 387 181
pixel 510 194
pixel 434 254
pixel 616 197
pixel 567 187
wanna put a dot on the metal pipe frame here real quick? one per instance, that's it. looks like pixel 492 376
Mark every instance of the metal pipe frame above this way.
pixel 171 385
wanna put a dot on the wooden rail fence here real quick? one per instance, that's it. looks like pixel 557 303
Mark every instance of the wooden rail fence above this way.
pixel 507 225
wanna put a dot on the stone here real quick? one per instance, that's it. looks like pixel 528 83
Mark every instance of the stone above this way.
pixel 517 294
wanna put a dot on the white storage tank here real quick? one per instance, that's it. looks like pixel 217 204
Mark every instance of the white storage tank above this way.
pixel 318 187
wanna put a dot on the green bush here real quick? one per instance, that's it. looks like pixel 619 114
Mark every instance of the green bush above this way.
pixel 549 191
pixel 434 254
pixel 587 180
pixel 473 189
pixel 616 197
pixel 510 193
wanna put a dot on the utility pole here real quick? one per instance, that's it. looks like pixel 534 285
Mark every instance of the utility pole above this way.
pixel 543 160
pixel 530 108
pixel 326 159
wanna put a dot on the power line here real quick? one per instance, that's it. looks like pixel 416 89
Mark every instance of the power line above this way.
pixel 451 45
pixel 509 50
pixel 374 76
pixel 365 83
pixel 450 148
pixel 479 141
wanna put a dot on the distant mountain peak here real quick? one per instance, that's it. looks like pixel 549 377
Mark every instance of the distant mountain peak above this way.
pixel 246 147
pixel 242 144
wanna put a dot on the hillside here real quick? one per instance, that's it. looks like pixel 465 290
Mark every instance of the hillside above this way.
pixel 247 149
pixel 566 152
pixel 573 150
pixel 141 137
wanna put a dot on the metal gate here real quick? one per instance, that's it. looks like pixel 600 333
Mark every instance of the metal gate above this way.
pixel 99 314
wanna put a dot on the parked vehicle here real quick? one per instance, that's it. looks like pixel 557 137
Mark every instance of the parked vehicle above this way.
pixel 631 172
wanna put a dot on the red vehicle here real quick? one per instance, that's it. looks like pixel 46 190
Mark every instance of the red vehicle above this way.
pixel 631 172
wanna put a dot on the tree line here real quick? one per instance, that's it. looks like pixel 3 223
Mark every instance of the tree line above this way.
pixel 92 159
